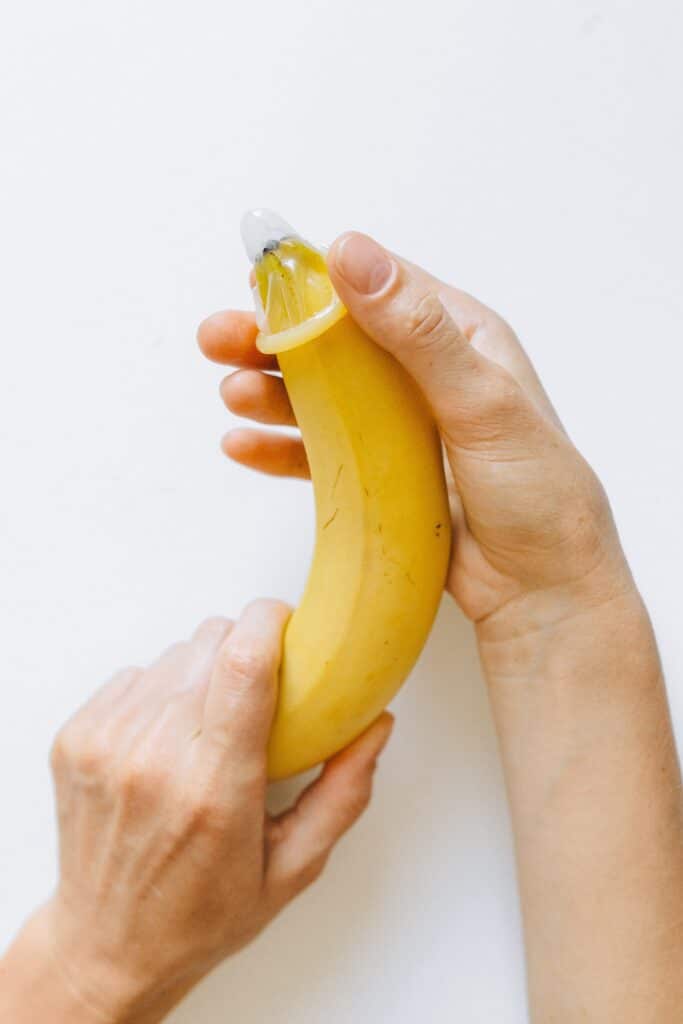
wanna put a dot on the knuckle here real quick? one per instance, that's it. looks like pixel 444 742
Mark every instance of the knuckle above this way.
pixel 62 749
pixel 92 757
pixel 249 777
pixel 595 497
pixel 500 395
pixel 137 780
pixel 269 606
pixel 587 514
pixel 209 816
pixel 203 811
pixel 214 625
pixel 127 675
pixel 358 800
pixel 217 622
pixel 166 659
pixel 248 773
pixel 312 870
pixel 176 650
pixel 243 666
pixel 427 324
pixel 87 753
pixel 120 681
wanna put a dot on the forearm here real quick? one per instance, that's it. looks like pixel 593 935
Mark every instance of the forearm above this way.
pixel 594 788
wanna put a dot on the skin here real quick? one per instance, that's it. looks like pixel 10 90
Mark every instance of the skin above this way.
pixel 160 782
pixel 573 674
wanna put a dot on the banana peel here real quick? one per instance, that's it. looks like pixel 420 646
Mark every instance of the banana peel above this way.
pixel 383 527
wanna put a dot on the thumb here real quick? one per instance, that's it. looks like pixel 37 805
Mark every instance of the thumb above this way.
pixel 300 840
pixel 473 399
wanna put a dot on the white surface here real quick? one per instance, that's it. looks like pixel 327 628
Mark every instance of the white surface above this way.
pixel 530 152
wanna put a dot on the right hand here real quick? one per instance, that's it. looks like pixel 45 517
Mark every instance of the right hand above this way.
pixel 168 859
pixel 533 530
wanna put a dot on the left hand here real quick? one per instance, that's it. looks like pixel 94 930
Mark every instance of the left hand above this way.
pixel 533 535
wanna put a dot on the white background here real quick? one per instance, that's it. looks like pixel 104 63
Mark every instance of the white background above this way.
pixel 529 152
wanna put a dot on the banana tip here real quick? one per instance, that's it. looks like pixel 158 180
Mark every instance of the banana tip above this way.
pixel 263 230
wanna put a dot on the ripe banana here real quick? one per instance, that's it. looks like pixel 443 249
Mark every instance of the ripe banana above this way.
pixel 382 516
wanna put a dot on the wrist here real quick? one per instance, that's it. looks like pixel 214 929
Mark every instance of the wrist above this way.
pixel 568 685
pixel 41 982
pixel 566 630
pixel 32 985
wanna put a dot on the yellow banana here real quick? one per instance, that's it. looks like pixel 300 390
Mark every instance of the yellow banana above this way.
pixel 382 515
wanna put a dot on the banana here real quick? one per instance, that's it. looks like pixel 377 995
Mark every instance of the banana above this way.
pixel 382 516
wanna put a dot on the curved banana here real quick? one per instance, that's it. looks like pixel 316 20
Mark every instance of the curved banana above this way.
pixel 382 516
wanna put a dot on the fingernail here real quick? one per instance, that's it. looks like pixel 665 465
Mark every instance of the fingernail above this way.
pixel 364 265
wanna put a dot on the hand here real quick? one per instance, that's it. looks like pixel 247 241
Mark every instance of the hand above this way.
pixel 529 515
pixel 566 644
pixel 168 860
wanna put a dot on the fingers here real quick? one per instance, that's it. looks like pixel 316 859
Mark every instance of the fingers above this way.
pixel 276 454
pixel 258 396
pixel 204 646
pixel 263 398
pixel 210 633
pixel 137 699
pixel 230 337
pixel 300 840
pixel 112 693
pixel 240 700
pixel 473 399
pixel 185 665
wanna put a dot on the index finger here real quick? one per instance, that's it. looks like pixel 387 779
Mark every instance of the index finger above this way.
pixel 240 700
pixel 230 337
